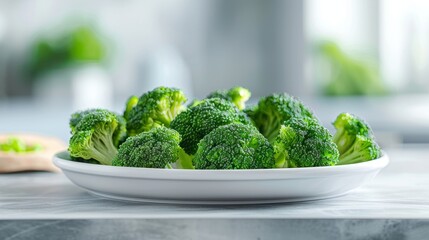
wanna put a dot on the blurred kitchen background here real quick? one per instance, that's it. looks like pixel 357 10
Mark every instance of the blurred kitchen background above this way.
pixel 367 57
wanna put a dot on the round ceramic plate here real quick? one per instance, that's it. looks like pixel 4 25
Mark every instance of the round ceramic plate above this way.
pixel 218 186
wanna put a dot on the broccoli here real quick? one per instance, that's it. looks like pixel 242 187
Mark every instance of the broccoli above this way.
pixel 234 146
pixel 364 149
pixel 303 142
pixel 354 139
pixel 155 108
pixel 118 136
pixel 157 148
pixel 236 95
pixel 197 121
pixel 273 110
pixel 77 116
pixel 348 127
pixel 131 103
pixel 93 137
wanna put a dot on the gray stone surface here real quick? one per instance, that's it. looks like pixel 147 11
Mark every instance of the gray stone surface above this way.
pixel 182 229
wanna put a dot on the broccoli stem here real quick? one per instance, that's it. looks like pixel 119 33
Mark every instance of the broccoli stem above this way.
pixel 280 160
pixel 272 134
pixel 289 164
pixel 271 127
pixel 350 156
pixel 184 161
pixel 103 148
pixel 165 117
pixel 343 141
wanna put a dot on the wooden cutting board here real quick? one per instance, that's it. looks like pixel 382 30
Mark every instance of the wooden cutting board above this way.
pixel 37 161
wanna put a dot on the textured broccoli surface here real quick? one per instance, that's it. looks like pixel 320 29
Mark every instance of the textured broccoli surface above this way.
pixel 197 121
pixel 77 116
pixel 234 146
pixel 93 137
pixel 155 108
pixel 303 142
pixel 236 95
pixel 157 148
pixel 354 139
pixel 272 111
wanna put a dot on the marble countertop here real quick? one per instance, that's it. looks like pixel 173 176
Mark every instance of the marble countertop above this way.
pixel 400 191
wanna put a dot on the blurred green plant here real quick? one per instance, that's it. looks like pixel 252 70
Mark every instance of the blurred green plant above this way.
pixel 349 75
pixel 17 145
pixel 79 45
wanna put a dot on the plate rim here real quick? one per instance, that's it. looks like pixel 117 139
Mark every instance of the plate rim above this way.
pixel 219 175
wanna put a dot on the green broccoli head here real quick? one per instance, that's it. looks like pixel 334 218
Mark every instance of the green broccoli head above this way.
pixel 93 137
pixel 236 95
pixel 131 103
pixel 118 136
pixel 272 111
pixel 354 139
pixel 157 148
pixel 234 146
pixel 303 142
pixel 197 121
pixel 347 128
pixel 155 108
pixel 363 149
pixel 77 116
pixel 239 96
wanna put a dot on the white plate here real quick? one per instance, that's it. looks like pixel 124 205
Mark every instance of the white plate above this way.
pixel 218 186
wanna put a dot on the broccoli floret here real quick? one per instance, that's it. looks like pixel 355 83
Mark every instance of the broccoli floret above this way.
pixel 236 95
pixel 303 142
pixel 354 139
pixel 348 126
pixel 155 108
pixel 93 137
pixel 234 146
pixel 197 121
pixel 118 136
pixel 272 111
pixel 363 149
pixel 77 116
pixel 131 103
pixel 157 148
